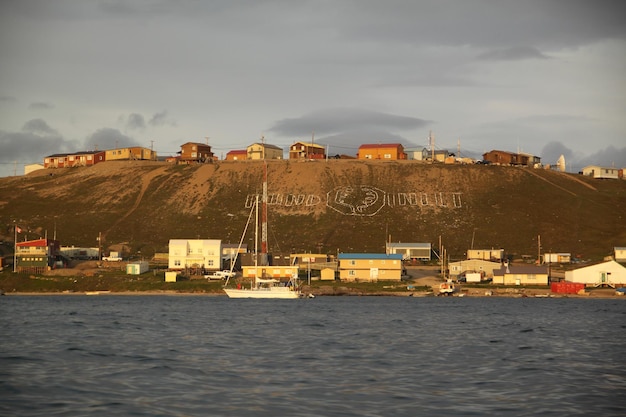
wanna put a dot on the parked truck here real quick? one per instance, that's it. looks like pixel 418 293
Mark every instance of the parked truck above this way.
pixel 220 275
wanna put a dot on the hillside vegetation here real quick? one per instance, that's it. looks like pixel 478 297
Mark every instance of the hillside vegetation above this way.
pixel 328 207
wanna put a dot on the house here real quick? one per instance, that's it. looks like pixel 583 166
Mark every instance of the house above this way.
pixel 509 158
pixel 86 158
pixel 410 251
pixel 388 151
pixel 473 265
pixel 595 171
pixel 260 151
pixel 609 273
pixel 136 153
pixel 439 155
pixel 370 267
pixel 270 271
pixel 237 155
pixel 195 253
pixel 557 258
pixel 38 256
pixel 304 150
pixel 32 168
pixel 521 275
pixel 194 152
pixel 494 255
pixel 417 154
pixel 619 253
pixel 231 255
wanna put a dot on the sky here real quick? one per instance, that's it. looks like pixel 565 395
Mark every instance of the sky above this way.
pixel 544 77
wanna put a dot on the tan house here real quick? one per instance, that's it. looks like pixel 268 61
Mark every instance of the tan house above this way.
pixel 473 265
pixel 521 275
pixel 237 155
pixel 494 255
pixel 410 251
pixel 304 150
pixel 133 153
pixel 260 151
pixel 194 152
pixel 370 267
pixel 387 151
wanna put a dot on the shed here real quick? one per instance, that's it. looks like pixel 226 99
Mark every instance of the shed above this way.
pixel 170 276
pixel 137 268
pixel 327 274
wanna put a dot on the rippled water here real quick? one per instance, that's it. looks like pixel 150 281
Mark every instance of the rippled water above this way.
pixel 330 356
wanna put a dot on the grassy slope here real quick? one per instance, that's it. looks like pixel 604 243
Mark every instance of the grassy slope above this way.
pixel 143 205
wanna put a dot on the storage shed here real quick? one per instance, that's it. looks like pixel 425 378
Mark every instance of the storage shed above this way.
pixel 137 268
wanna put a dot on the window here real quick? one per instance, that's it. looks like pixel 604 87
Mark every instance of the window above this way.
pixel 177 262
pixel 387 156
pixel 352 262
pixel 352 273
pixel 210 262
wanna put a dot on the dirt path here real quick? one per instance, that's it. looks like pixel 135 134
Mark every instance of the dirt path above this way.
pixel 146 180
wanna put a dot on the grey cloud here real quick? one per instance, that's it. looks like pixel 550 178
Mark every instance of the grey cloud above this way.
pixel 513 54
pixel 108 138
pixel 608 157
pixel 32 146
pixel 135 121
pixel 8 99
pixel 341 120
pixel 160 119
pixel 552 151
pixel 40 106
pixel 38 126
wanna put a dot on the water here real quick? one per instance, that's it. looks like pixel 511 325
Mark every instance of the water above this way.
pixel 330 356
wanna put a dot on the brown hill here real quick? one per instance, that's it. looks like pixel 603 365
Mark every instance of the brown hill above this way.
pixel 339 205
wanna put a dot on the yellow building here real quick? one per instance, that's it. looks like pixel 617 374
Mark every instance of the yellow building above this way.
pixel 521 275
pixel 260 151
pixel 370 267
pixel 132 153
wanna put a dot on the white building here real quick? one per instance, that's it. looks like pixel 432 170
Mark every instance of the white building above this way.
pixel 195 253
pixel 473 265
pixel 601 172
pixel 620 253
pixel 606 273
pixel 408 251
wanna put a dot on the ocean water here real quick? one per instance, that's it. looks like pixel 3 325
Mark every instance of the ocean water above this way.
pixel 329 356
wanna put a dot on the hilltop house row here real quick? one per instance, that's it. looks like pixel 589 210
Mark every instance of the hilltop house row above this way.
pixel 195 152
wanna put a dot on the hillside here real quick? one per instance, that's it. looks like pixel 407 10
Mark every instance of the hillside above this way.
pixel 339 205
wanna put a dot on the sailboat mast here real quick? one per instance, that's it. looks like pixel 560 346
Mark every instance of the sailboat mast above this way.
pixel 264 213
pixel 256 242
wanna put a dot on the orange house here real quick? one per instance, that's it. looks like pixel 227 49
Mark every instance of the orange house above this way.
pixel 237 155
pixel 388 151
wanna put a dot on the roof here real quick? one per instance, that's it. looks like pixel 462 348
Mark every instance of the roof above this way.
pixel 380 145
pixel 35 243
pixel 310 145
pixel 392 256
pixel 521 270
pixel 237 151
pixel 195 143
pixel 267 145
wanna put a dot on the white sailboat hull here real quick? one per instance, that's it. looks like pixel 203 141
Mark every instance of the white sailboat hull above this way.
pixel 272 292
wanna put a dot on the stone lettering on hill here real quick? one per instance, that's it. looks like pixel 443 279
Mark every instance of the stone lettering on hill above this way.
pixel 362 200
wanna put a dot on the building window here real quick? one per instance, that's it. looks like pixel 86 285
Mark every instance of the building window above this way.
pixel 177 262
pixel 387 156
pixel 352 262
pixel 352 273
pixel 210 262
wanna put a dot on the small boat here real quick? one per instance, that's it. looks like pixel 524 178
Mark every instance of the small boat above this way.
pixel 446 288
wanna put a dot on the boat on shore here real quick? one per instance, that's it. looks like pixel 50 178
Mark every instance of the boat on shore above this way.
pixel 447 288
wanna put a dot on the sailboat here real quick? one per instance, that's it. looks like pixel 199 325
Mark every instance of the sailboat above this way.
pixel 263 287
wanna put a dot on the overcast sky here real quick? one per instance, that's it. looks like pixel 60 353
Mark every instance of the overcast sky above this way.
pixel 545 77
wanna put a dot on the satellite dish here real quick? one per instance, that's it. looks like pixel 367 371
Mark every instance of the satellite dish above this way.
pixel 561 163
